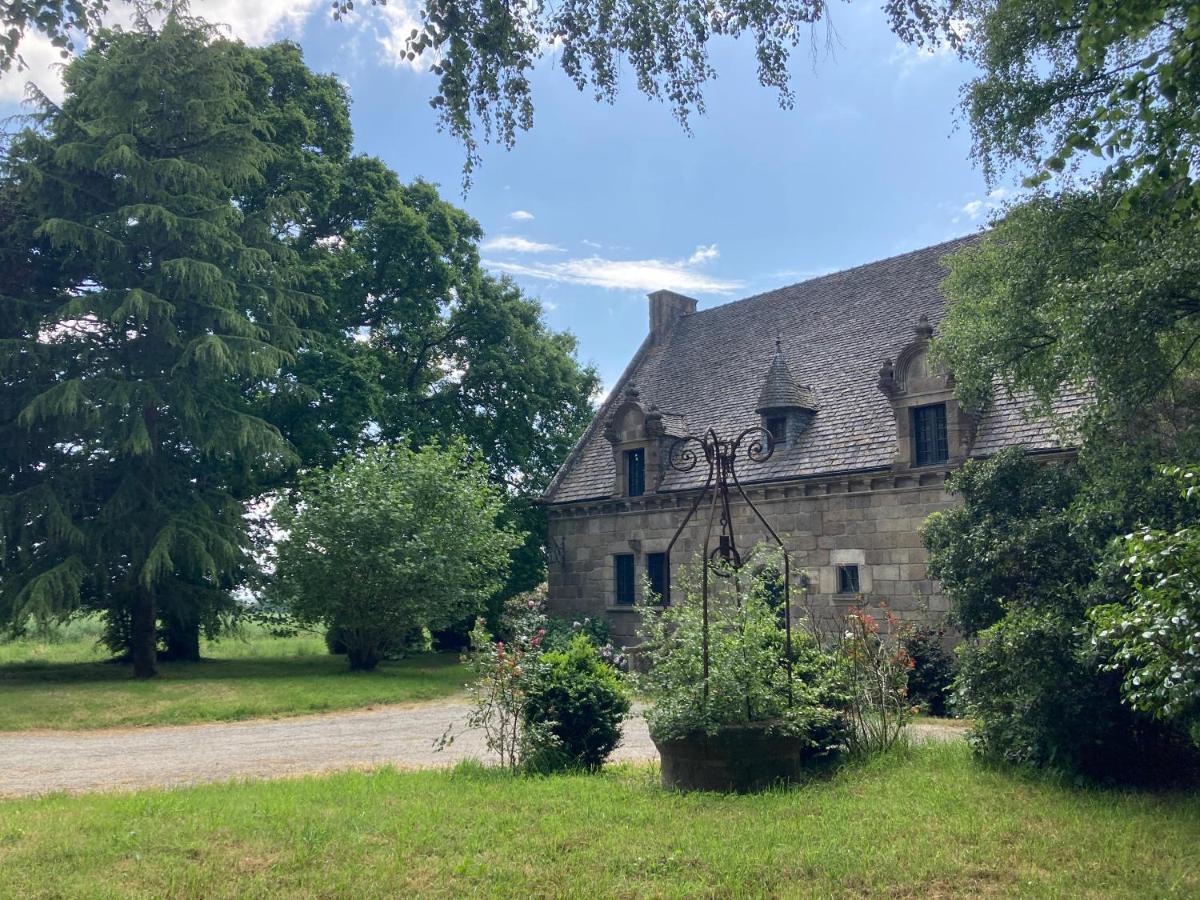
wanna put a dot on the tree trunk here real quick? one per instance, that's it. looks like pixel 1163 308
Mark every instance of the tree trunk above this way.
pixel 362 658
pixel 183 641
pixel 144 638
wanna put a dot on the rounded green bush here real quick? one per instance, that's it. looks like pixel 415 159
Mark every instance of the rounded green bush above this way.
pixel 581 701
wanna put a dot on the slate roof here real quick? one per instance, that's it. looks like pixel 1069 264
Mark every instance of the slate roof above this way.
pixel 835 331
pixel 780 391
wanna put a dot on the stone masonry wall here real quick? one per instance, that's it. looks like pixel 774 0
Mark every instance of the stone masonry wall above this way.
pixel 871 521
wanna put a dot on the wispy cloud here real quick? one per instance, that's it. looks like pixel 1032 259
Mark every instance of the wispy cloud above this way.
pixel 521 215
pixel 703 254
pixel 507 243
pixel 974 210
pixel 621 274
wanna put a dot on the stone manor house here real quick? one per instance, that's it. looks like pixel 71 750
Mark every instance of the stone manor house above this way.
pixel 836 369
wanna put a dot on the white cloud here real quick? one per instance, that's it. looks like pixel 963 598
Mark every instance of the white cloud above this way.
pixel 909 58
pixel 399 18
pixel 594 244
pixel 257 22
pixel 260 21
pixel 521 215
pixel 703 254
pixel 974 209
pixel 513 244
pixel 43 68
pixel 618 274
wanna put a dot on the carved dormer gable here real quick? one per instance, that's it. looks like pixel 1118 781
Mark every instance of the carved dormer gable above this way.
pixel 931 427
pixel 640 438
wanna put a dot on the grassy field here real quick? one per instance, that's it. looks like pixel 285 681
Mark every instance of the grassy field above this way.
pixel 923 822
pixel 64 681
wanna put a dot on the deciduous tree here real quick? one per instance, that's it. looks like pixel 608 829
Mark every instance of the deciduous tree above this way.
pixel 390 541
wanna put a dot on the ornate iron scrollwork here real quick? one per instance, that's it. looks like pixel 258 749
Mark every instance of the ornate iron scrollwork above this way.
pixel 724 559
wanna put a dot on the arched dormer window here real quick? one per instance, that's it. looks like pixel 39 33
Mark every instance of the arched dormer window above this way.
pixel 640 438
pixel 931 428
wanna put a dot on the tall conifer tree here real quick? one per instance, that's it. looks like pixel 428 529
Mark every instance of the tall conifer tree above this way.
pixel 132 366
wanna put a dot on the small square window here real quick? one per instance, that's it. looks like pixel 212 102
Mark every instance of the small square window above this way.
pixel 659 572
pixel 635 472
pixel 623 570
pixel 847 578
pixel 777 426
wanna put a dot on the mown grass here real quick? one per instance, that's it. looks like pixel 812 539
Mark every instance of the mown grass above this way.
pixel 64 680
pixel 923 822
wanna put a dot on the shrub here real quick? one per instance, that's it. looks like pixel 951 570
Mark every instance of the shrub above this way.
pixel 931 677
pixel 395 540
pixel 876 667
pixel 1153 638
pixel 747 681
pixel 581 701
pixel 1036 697
pixel 504 670
pixel 561 632
pixel 1021 560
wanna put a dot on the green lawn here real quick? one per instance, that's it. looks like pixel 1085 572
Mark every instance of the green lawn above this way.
pixel 924 822
pixel 63 682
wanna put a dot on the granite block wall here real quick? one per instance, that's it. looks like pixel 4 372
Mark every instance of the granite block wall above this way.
pixel 868 521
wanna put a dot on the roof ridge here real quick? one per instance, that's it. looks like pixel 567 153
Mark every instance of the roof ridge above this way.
pixel 846 271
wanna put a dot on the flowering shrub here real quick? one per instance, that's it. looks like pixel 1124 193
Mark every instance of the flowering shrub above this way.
pixel 580 701
pixel 561 632
pixel 1153 639
pixel 542 709
pixel 876 666
pixel 504 670
pixel 747 681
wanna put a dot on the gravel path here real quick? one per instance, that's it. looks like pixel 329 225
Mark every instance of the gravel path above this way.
pixel 39 762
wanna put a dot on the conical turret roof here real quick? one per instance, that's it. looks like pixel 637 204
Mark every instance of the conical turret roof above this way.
pixel 780 391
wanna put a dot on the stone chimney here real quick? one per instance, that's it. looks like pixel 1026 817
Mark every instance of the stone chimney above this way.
pixel 666 308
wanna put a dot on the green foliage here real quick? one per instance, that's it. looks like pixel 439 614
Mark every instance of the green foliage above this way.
pixel 1012 540
pixel 931 678
pixel 159 301
pixel 1021 563
pixel 875 667
pixel 747 680
pixel 1033 690
pixel 394 540
pixel 1153 638
pixel 582 701
pixel 1094 287
pixel 505 670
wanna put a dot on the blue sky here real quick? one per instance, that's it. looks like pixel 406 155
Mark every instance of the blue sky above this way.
pixel 600 204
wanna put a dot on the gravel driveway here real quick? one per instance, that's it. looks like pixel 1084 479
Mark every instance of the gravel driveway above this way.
pixel 39 762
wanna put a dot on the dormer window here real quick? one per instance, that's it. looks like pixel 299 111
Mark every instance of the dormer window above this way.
pixel 931 427
pixel 786 407
pixel 777 427
pixel 929 435
pixel 635 472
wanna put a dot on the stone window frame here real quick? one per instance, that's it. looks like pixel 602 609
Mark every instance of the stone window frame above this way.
pixel 908 383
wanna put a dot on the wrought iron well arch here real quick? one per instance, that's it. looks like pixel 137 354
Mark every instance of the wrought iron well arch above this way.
pixel 725 560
